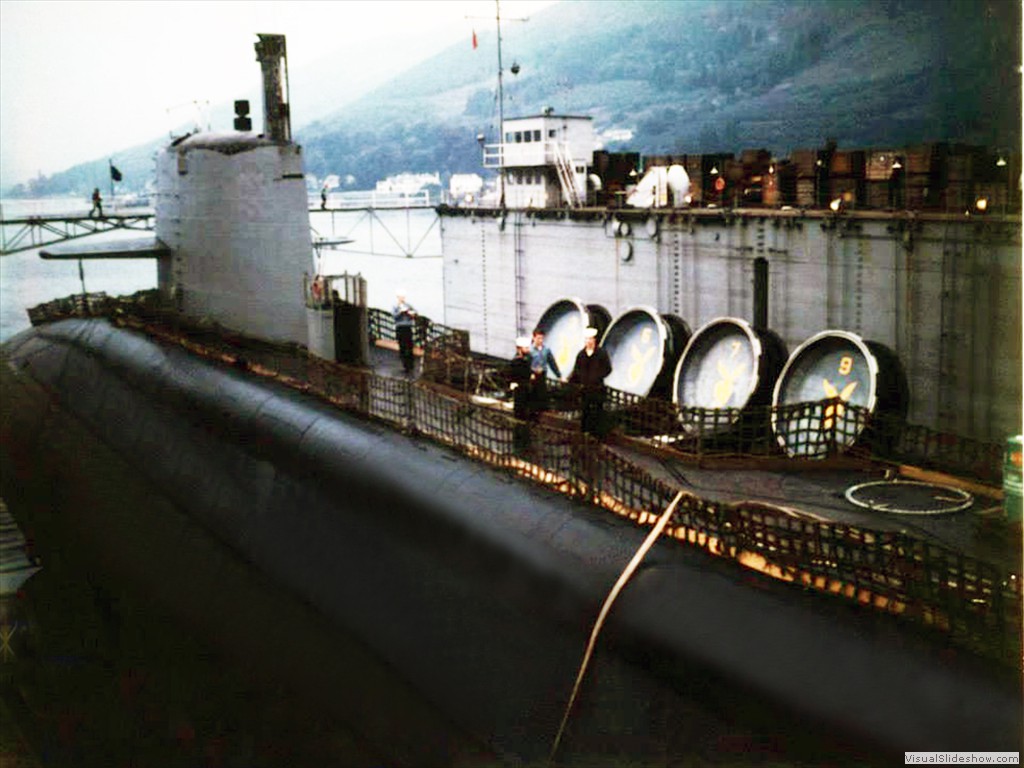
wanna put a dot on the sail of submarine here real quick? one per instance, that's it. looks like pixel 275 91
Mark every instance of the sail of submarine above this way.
pixel 436 605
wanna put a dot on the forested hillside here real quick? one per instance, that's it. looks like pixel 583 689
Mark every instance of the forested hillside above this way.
pixel 694 76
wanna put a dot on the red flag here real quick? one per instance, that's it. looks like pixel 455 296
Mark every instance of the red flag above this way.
pixel 474 39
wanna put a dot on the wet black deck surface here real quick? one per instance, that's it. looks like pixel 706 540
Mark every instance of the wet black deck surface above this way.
pixel 979 531
pixel 98 681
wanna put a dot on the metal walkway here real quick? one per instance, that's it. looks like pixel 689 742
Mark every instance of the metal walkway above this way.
pixel 28 232
pixel 24 233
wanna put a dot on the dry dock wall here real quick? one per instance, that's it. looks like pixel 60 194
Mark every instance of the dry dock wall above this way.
pixel 944 293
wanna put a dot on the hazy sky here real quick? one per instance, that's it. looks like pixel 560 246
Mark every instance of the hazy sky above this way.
pixel 81 80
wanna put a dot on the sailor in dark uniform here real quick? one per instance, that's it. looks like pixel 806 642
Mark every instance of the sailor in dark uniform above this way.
pixel 405 318
pixel 592 366
pixel 522 400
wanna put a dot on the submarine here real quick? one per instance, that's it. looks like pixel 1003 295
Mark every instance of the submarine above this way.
pixel 430 594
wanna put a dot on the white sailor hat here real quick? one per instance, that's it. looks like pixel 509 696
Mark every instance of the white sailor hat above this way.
pixel 523 341
pixel 400 292
pixel 590 333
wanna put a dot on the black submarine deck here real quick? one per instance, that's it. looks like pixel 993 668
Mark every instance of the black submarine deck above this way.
pixel 772 610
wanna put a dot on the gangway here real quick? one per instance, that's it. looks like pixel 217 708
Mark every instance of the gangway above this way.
pixel 24 233
pixel 40 231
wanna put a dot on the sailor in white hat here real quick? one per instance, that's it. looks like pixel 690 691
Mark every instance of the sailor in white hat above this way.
pixel 522 402
pixel 592 366
pixel 405 319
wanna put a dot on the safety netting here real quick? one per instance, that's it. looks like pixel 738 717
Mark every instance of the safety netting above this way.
pixel 974 604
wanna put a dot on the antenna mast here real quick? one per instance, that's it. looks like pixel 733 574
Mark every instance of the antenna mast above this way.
pixel 501 111
pixel 501 102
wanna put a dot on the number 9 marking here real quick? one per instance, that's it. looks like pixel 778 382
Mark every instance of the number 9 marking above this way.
pixel 845 365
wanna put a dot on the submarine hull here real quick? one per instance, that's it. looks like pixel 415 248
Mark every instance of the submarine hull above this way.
pixel 436 606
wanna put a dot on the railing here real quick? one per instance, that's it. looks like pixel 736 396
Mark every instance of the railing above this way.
pixel 971 603
pixel 819 430
pixel 373 199
pixel 28 232
pixel 566 176
pixel 442 339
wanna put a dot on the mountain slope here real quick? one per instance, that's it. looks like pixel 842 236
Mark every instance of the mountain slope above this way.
pixel 703 76
pixel 693 76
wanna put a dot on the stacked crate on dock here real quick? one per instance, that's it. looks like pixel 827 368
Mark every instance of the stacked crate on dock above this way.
pixel 734 183
pixel 878 176
pixel 962 161
pixel 713 179
pixel 770 197
pixel 667 161
pixel 755 164
pixel 805 165
pixel 614 168
pixel 1013 181
pixel 846 177
pixel 782 188
pixel 925 168
pixel 993 182
pixel 692 164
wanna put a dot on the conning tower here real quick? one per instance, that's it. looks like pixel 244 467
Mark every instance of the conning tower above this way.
pixel 232 209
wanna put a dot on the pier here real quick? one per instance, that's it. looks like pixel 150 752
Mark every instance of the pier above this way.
pixel 24 233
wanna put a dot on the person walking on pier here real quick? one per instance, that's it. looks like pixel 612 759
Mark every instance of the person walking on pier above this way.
pixel 97 203
pixel 541 359
pixel 592 366
pixel 405 319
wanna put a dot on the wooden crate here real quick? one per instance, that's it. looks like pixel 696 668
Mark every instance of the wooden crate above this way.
pixel 734 171
pixel 956 197
pixel 959 168
pixel 914 198
pixel 784 183
pixel 650 161
pixel 849 189
pixel 692 164
pixel 696 190
pixel 876 194
pixel 964 162
pixel 878 164
pixel 847 163
pixel 804 161
pixel 926 158
pixel 756 161
pixel 996 194
pixel 805 189
pixel 770 190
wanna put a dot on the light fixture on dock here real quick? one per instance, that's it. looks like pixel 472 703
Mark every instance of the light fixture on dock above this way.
pixel 981 204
